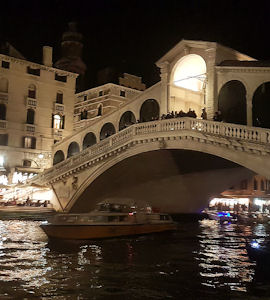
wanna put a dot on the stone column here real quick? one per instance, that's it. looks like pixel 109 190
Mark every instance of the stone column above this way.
pixel 210 91
pixel 165 86
pixel 249 108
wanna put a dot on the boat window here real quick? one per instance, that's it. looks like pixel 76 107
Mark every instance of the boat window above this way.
pixel 164 217
pixel 113 218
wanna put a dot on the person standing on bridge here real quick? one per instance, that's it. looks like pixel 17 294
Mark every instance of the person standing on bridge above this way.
pixel 204 114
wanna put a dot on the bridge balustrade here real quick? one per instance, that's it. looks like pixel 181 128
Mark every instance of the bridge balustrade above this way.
pixel 239 132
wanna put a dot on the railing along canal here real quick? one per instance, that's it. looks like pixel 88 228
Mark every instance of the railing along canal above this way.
pixel 239 132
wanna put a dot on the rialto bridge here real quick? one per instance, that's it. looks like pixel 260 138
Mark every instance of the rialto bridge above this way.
pixel 176 164
pixel 163 162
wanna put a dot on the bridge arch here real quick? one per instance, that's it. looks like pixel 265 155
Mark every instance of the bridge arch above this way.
pixel 149 110
pixel 127 119
pixel 73 149
pixel 107 130
pixel 261 106
pixel 232 102
pixel 89 140
pixel 58 157
pixel 244 159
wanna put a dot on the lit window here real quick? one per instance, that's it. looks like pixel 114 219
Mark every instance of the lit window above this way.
pixel 56 121
pixel 190 72
pixel 29 142
pixel 1 161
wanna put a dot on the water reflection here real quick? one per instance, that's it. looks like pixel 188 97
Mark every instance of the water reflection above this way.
pixel 201 258
pixel 223 257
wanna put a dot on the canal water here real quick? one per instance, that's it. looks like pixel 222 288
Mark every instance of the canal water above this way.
pixel 201 260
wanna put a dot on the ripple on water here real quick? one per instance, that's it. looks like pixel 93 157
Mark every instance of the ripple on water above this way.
pixel 202 260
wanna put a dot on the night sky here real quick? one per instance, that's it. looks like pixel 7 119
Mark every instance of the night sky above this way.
pixel 133 35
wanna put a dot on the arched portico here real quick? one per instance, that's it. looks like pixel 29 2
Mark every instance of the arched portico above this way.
pixel 127 119
pixel 107 130
pixel 89 140
pixel 261 106
pixel 149 110
pixel 232 102
pixel 58 157
pixel 73 149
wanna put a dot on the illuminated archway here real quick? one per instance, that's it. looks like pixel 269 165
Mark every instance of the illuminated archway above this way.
pixel 190 72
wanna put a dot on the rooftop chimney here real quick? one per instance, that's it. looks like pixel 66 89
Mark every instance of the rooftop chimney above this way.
pixel 47 56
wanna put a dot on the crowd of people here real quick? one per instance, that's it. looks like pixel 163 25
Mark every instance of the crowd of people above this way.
pixel 26 202
pixel 181 114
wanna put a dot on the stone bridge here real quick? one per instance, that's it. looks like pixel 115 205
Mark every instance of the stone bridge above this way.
pixel 166 162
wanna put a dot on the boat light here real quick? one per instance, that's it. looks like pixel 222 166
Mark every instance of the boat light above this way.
pixel 255 245
pixel 131 214
pixel 224 214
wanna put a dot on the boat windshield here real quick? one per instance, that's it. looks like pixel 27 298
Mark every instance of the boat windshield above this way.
pixel 113 207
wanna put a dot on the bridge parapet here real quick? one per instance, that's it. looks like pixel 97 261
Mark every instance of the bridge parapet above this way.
pixel 238 137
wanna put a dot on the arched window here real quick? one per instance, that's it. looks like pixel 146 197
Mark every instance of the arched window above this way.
pixel 106 131
pixel 99 113
pixel 30 116
pixel 89 140
pixel 73 149
pixel 58 121
pixel 255 185
pixel 58 157
pixel 32 91
pixel 232 102
pixel 149 110
pixel 59 97
pixel 2 112
pixel 262 185
pixel 126 120
pixel 190 72
pixel 3 85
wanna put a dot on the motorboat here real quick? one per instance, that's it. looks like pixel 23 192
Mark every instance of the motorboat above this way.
pixel 108 220
pixel 223 217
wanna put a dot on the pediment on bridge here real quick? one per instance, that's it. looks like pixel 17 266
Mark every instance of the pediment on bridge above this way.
pixel 204 48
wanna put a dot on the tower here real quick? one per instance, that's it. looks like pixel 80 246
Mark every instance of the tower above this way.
pixel 71 60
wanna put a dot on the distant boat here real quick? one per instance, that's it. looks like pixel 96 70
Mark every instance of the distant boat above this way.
pixel 107 221
pixel 223 217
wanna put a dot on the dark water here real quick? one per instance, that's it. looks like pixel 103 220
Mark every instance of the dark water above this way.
pixel 201 260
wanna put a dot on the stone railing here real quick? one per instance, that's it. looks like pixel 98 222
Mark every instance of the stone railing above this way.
pixel 157 129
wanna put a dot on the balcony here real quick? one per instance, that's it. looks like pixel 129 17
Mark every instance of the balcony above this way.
pixel 57 133
pixel 3 124
pixel 59 107
pixel 30 128
pixel 3 97
pixel 31 102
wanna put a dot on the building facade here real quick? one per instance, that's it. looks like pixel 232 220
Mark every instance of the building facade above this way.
pixel 36 110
